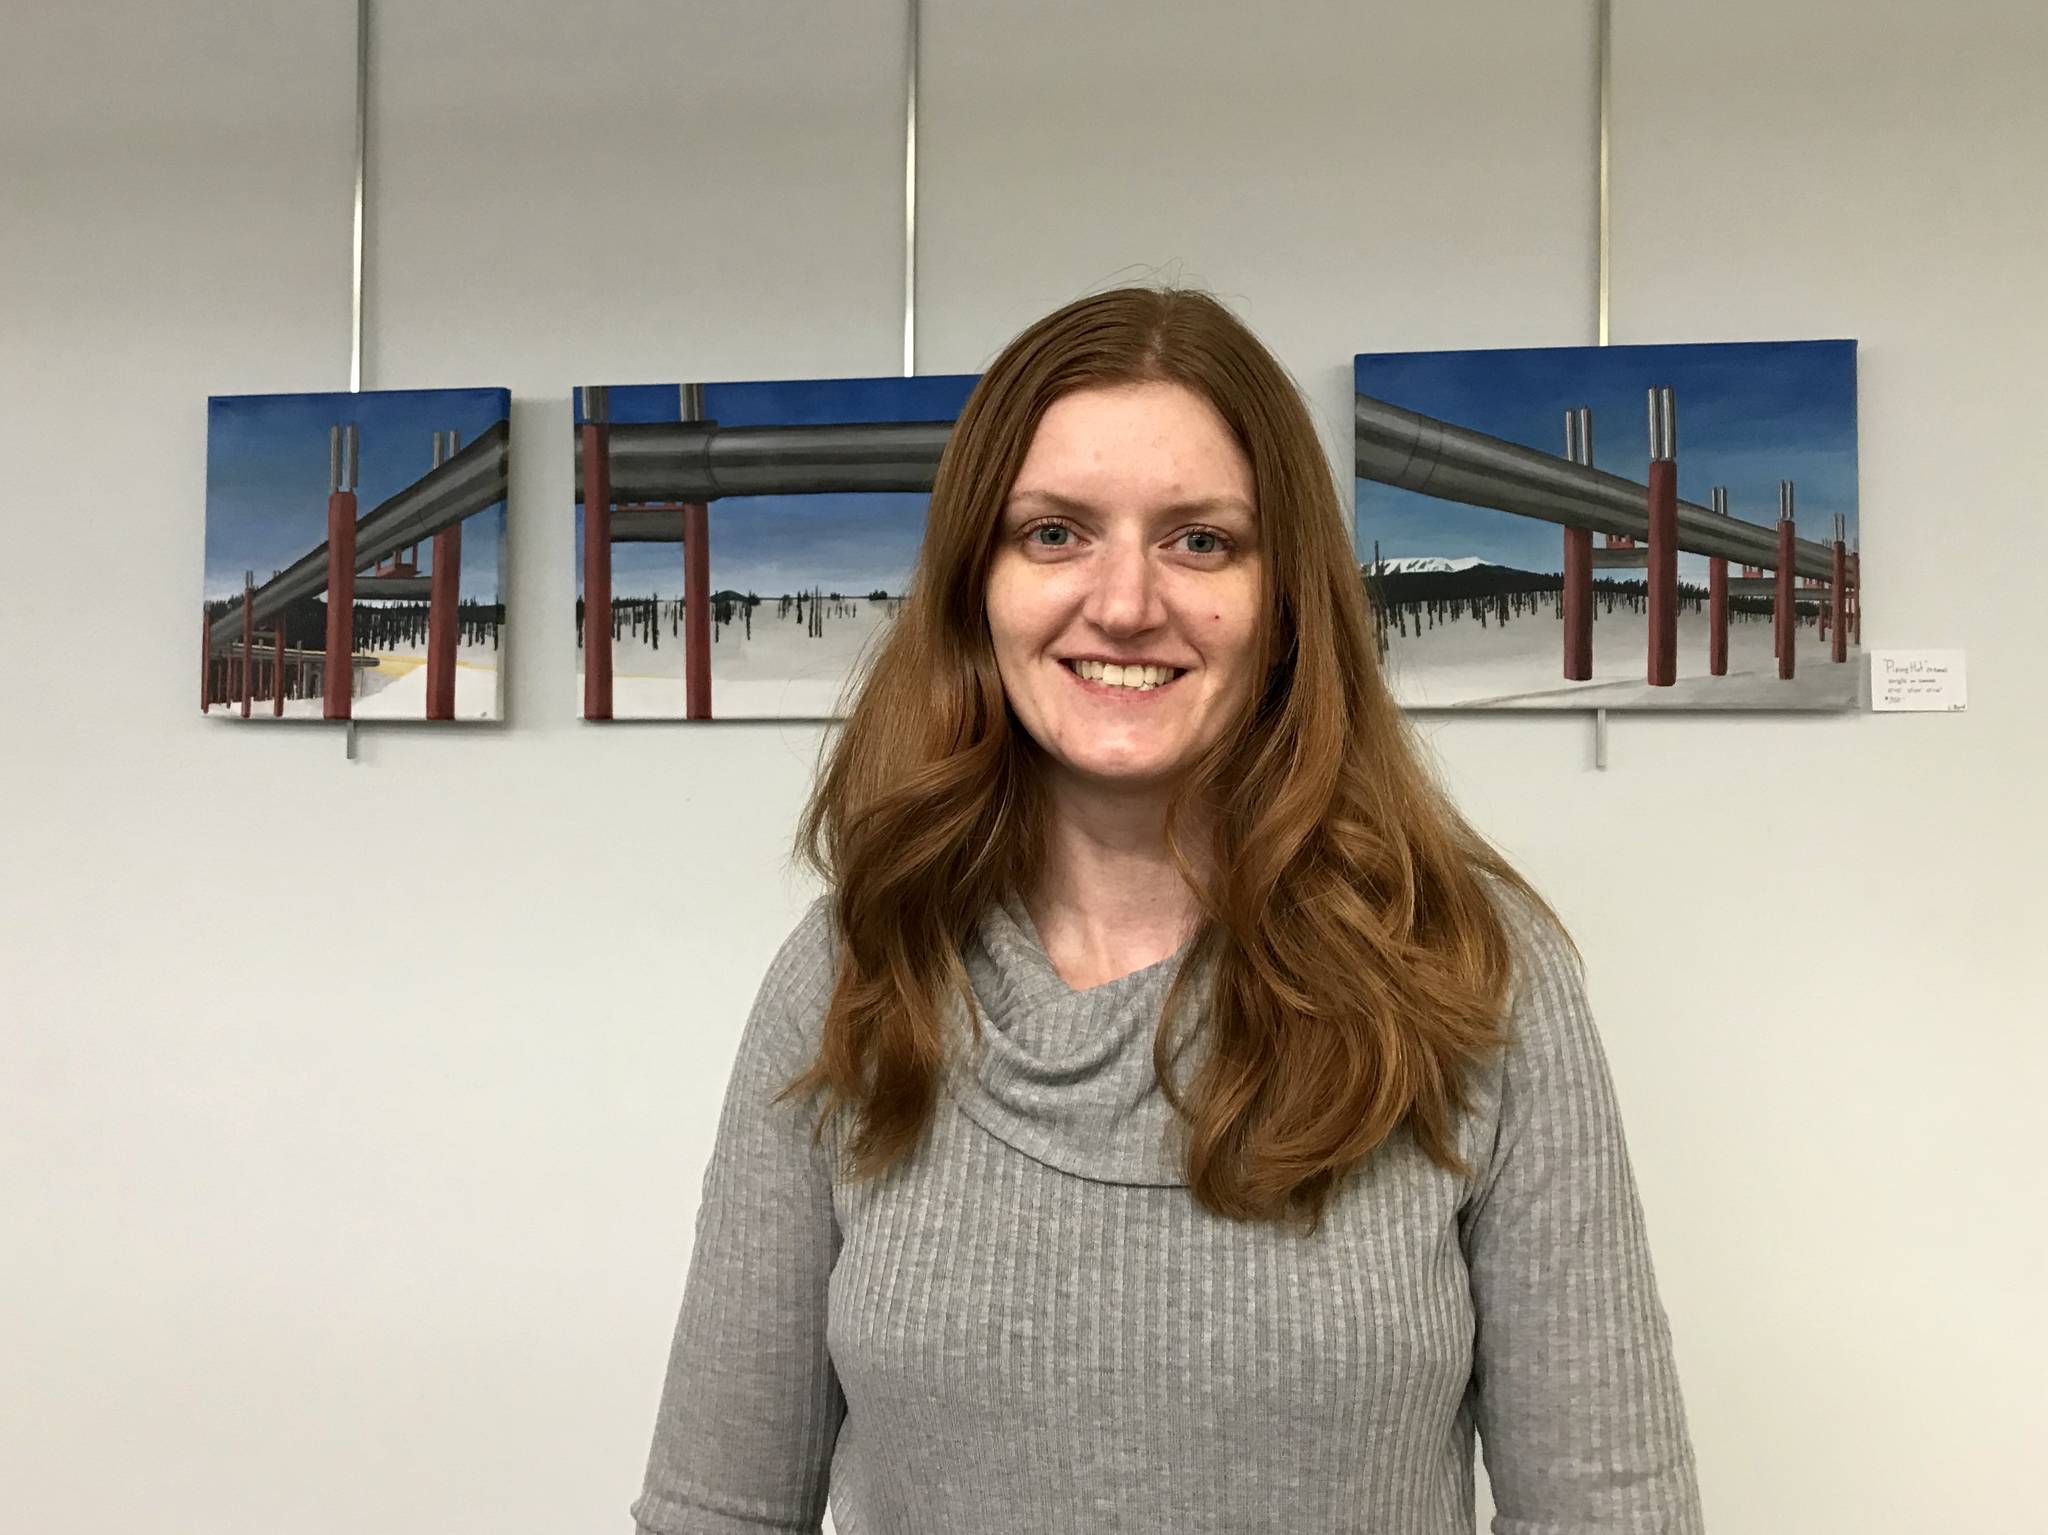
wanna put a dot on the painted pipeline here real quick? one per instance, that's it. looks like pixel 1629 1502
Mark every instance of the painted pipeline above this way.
pixel 1436 458
pixel 703 461
pixel 459 488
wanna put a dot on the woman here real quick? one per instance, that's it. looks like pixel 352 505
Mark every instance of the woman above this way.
pixel 1214 1136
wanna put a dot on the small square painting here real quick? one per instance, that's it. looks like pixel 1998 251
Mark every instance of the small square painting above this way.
pixel 354 544
pixel 740 546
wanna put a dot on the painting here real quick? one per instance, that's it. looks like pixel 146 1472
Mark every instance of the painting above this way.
pixel 740 547
pixel 1620 527
pixel 354 550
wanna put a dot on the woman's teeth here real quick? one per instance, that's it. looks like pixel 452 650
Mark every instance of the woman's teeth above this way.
pixel 1143 678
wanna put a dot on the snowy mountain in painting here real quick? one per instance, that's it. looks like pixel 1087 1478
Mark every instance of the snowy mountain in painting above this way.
pixel 1427 564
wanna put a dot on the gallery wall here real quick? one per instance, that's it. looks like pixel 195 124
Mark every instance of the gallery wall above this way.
pixel 352 1114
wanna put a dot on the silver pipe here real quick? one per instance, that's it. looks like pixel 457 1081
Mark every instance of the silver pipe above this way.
pixel 333 459
pixel 1663 426
pixel 702 461
pixel 1401 447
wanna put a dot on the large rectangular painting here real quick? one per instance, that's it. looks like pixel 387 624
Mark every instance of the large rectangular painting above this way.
pixel 354 550
pixel 740 547
pixel 1621 527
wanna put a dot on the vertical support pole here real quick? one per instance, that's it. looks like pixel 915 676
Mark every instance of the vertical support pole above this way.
pixel 443 597
pixel 277 668
pixel 1717 600
pixel 338 699
pixel 696 586
pixel 205 658
pixel 1787 616
pixel 1841 604
pixel 1663 568
pixel 1578 560
pixel 696 610
pixel 248 640
pixel 1856 594
pixel 597 556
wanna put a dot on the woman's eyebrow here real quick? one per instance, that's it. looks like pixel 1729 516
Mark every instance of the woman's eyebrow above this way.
pixel 1200 504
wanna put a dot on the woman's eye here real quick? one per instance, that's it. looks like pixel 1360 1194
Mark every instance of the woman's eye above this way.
pixel 1217 543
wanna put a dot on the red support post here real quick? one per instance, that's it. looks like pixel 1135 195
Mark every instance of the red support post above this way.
pixel 1841 652
pixel 1717 617
pixel 1578 604
pixel 338 701
pixel 277 670
pixel 696 610
pixel 597 568
pixel 1787 616
pixel 442 623
pixel 1717 600
pixel 205 659
pixel 248 644
pixel 1662 571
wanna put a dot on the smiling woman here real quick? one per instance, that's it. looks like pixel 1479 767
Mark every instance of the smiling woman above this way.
pixel 1214 1134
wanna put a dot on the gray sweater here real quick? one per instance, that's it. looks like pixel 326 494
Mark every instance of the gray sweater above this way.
pixel 1030 1325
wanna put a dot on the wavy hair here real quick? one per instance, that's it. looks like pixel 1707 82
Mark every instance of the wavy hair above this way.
pixel 1361 964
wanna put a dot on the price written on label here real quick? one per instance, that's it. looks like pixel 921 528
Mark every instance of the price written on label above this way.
pixel 1918 680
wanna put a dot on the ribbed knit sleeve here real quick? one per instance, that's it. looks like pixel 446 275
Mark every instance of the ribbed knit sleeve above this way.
pixel 1577 1397
pixel 751 1408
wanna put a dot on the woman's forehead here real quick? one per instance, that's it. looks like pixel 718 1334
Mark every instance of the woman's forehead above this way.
pixel 1159 442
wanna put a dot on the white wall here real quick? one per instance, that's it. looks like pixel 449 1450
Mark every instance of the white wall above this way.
pixel 352 1115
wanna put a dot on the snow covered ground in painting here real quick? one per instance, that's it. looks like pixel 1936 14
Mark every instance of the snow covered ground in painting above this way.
pixel 396 689
pixel 1521 666
pixel 780 673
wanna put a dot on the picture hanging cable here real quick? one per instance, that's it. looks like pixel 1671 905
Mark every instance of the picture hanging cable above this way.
pixel 355 340
pixel 355 348
pixel 909 191
pixel 1603 69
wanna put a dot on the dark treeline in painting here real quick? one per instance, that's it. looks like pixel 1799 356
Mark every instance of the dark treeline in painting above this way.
pixel 399 626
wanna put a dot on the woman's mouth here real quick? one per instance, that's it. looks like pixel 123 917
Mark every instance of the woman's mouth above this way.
pixel 1129 683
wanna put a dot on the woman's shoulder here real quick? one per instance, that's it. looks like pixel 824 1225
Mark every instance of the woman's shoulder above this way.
pixel 799 978
pixel 1552 1042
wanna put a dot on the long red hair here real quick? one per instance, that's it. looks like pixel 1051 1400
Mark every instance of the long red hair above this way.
pixel 1362 960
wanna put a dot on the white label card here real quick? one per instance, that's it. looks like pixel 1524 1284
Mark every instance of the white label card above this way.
pixel 1917 679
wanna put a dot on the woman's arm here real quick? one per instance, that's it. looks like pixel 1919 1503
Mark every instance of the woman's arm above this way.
pixel 1576 1392
pixel 751 1407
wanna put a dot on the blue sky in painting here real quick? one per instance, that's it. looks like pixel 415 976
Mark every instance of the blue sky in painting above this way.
pixel 266 474
pixel 1749 415
pixel 778 544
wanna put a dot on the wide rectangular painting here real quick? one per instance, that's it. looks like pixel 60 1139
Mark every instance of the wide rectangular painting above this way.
pixel 1621 527
pixel 741 547
pixel 354 551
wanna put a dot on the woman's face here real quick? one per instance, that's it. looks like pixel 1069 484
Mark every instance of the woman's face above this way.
pixel 1130 535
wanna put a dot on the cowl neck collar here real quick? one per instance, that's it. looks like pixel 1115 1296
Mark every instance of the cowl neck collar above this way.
pixel 1065 1075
